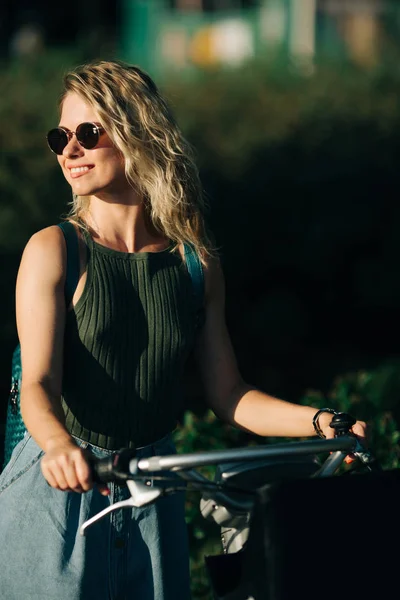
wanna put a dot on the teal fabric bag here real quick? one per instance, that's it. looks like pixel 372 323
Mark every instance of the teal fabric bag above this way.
pixel 15 427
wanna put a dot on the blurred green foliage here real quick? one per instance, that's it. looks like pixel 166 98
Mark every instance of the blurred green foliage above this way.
pixel 301 177
pixel 232 116
pixel 32 191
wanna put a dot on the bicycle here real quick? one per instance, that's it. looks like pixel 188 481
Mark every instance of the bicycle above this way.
pixel 251 500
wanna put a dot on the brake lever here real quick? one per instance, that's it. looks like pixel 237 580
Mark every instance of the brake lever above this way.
pixel 141 495
pixel 366 457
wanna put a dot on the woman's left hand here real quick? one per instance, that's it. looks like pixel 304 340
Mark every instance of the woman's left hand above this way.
pixel 359 429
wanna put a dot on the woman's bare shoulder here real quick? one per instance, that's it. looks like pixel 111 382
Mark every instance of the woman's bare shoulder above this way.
pixel 45 250
pixel 51 236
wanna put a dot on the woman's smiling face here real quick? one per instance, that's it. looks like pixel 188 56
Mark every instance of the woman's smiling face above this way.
pixel 95 172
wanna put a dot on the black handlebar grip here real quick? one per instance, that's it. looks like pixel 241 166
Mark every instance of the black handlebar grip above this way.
pixel 114 468
pixel 342 423
pixel 102 469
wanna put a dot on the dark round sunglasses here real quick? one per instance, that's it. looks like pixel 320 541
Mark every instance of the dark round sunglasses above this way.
pixel 87 135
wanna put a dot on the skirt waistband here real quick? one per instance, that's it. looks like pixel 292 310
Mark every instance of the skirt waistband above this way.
pixel 161 442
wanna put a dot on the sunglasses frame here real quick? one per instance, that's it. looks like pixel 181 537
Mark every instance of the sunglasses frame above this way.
pixel 99 130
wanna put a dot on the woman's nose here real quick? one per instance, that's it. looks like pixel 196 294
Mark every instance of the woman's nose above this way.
pixel 73 148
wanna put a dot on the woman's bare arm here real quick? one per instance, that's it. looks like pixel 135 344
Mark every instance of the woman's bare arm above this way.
pixel 41 312
pixel 231 398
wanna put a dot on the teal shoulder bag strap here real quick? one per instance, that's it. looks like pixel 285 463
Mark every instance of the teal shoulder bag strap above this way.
pixel 196 273
pixel 15 427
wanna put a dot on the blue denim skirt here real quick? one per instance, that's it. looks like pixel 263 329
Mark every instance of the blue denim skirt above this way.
pixel 134 553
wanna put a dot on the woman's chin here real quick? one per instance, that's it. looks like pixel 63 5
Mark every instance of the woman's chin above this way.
pixel 83 190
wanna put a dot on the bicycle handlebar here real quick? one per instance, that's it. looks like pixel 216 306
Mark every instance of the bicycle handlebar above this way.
pixel 124 465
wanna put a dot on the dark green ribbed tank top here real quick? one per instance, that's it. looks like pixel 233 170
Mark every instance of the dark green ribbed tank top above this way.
pixel 126 342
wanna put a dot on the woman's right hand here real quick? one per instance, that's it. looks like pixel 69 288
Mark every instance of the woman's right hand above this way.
pixel 65 467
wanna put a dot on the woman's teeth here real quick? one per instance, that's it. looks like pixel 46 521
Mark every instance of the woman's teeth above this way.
pixel 79 169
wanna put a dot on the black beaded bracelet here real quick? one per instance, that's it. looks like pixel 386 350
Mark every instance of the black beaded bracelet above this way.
pixel 315 421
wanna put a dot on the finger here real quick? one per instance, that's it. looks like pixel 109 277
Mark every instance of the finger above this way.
pixel 103 489
pixel 60 483
pixel 330 433
pixel 70 476
pixel 83 473
pixel 360 432
pixel 47 474
pixel 53 475
pixel 63 469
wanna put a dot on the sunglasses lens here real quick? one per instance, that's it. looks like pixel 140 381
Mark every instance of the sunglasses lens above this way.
pixel 88 135
pixel 57 139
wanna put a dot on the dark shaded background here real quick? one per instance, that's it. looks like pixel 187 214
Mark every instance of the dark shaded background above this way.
pixel 299 161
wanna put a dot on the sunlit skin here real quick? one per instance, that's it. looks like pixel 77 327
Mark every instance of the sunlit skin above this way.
pixel 106 176
pixel 113 201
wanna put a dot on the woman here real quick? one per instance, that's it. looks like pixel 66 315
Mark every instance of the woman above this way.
pixel 105 371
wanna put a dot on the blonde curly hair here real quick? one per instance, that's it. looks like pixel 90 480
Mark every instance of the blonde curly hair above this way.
pixel 159 162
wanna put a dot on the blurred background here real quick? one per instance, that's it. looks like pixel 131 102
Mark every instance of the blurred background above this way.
pixel 293 108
